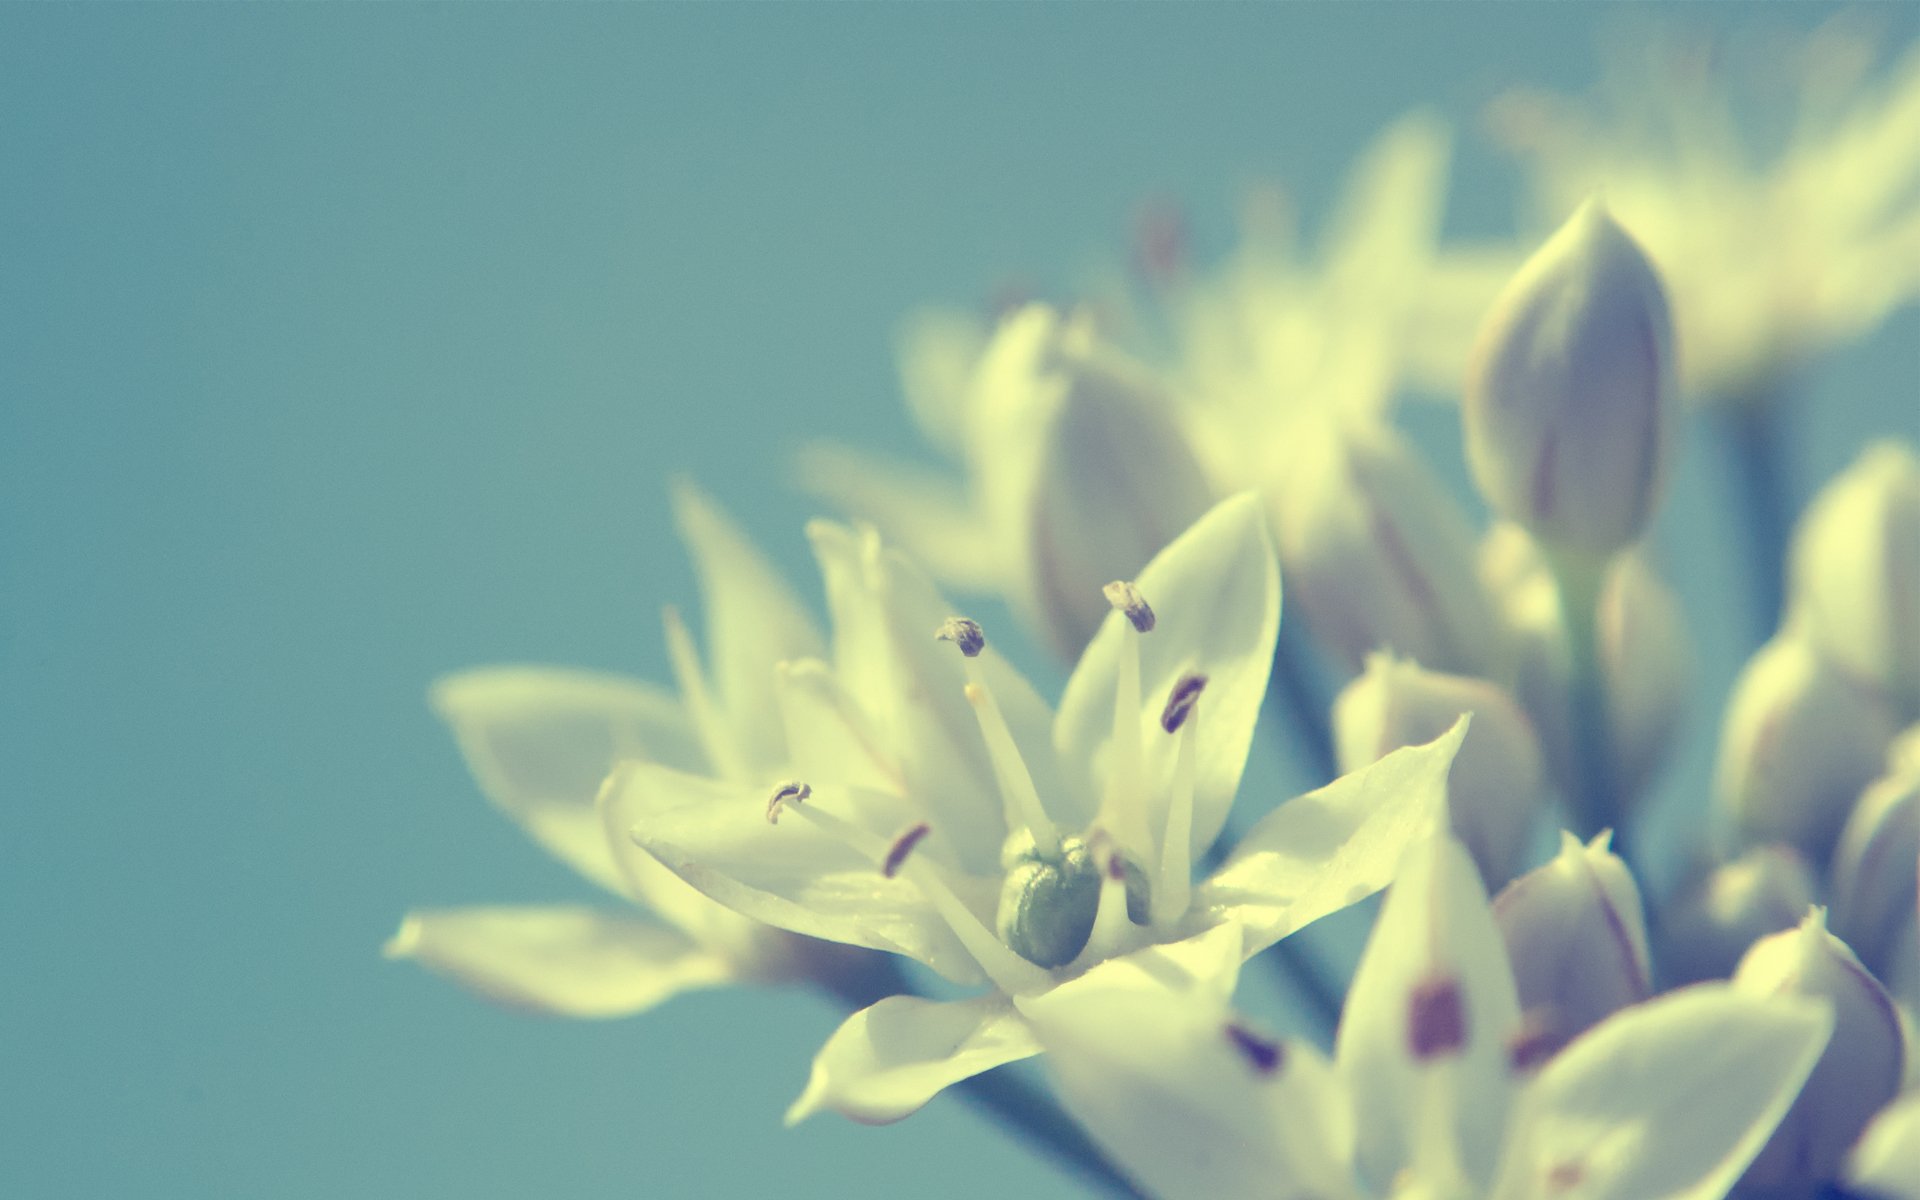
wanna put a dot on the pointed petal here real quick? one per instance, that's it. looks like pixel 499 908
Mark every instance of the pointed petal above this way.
pixel 1330 848
pixel 1187 1099
pixel 564 961
pixel 753 620
pixel 1435 927
pixel 1215 593
pixel 540 740
pixel 1671 1098
pixel 924 511
pixel 715 836
pixel 1886 1159
pixel 889 1059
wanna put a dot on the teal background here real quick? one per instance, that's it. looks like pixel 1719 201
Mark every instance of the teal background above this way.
pixel 343 347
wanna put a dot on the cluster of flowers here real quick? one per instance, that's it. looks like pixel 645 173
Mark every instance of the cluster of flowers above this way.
pixel 816 806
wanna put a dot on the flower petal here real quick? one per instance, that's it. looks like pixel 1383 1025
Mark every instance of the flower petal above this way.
pixel 561 960
pixel 1671 1098
pixel 1215 593
pixel 1188 1100
pixel 715 836
pixel 1886 1159
pixel 889 1059
pixel 1435 931
pixel 1330 848
pixel 540 740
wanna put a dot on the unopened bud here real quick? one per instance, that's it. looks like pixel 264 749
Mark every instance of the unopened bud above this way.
pixel 1874 884
pixel 1801 740
pixel 1376 554
pixel 1644 656
pixel 1714 917
pixel 1577 938
pixel 1860 1069
pixel 1497 783
pixel 1091 471
pixel 1855 571
pixel 1568 407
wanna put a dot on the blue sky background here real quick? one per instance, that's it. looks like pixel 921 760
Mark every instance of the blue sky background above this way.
pixel 344 347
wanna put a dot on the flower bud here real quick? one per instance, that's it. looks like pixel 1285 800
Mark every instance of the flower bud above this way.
pixel 1644 653
pixel 1497 782
pixel 1860 1070
pixel 1091 475
pixel 1874 866
pixel 1577 937
pixel 1855 571
pixel 1712 920
pixel 1568 407
pixel 1800 741
pixel 1377 555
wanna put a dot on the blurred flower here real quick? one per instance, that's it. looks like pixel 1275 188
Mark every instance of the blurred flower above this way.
pixel 1801 739
pixel 1644 653
pixel 1769 257
pixel 1874 865
pixel 1577 938
pixel 1498 782
pixel 1713 918
pixel 1568 410
pixel 540 741
pixel 1104 808
pixel 1855 572
pixel 1426 1096
pixel 1859 1071
pixel 1886 1161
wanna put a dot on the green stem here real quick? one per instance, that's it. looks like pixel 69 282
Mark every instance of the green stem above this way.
pixel 1596 798
pixel 1001 1095
pixel 1752 430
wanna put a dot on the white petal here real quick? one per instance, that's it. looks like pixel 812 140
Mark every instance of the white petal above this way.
pixel 540 740
pixel 1435 925
pixel 924 511
pixel 1886 1159
pixel 888 1060
pixel 716 837
pixel 1215 593
pixel 753 621
pixel 1186 1099
pixel 1666 1100
pixel 1320 852
pixel 566 961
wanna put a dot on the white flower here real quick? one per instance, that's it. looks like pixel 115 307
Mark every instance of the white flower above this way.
pixel 1430 1094
pixel 938 809
pixel 540 741
pixel 1769 258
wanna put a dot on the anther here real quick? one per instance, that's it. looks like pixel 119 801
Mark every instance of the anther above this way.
pixel 964 634
pixel 1180 701
pixel 903 846
pixel 1262 1053
pixel 1436 1018
pixel 1532 1044
pixel 1127 598
pixel 790 792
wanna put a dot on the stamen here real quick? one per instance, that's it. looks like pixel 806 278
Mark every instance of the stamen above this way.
pixel 790 792
pixel 1173 893
pixel 902 847
pixel 707 725
pixel 1262 1053
pixel 1127 598
pixel 963 633
pixel 1180 701
pixel 1112 929
pixel 1436 1018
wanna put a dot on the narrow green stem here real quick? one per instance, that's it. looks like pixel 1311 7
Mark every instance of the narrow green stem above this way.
pixel 1001 1095
pixel 1596 798
pixel 1753 434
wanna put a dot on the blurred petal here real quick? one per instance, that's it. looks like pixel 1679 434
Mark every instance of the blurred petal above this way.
pixel 564 961
pixel 1670 1098
pixel 1215 593
pixel 1319 853
pixel 540 740
pixel 1886 1159
pixel 889 1059
pixel 924 511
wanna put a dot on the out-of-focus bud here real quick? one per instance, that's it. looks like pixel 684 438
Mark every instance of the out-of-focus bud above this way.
pixel 1377 555
pixel 1713 919
pixel 1569 410
pixel 1577 937
pixel 1885 1162
pixel 1644 653
pixel 1874 865
pixel 1093 475
pixel 1860 1070
pixel 1801 740
pixel 1855 572
pixel 1497 783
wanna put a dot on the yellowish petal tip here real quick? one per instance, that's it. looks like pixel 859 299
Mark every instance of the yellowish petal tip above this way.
pixel 404 941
